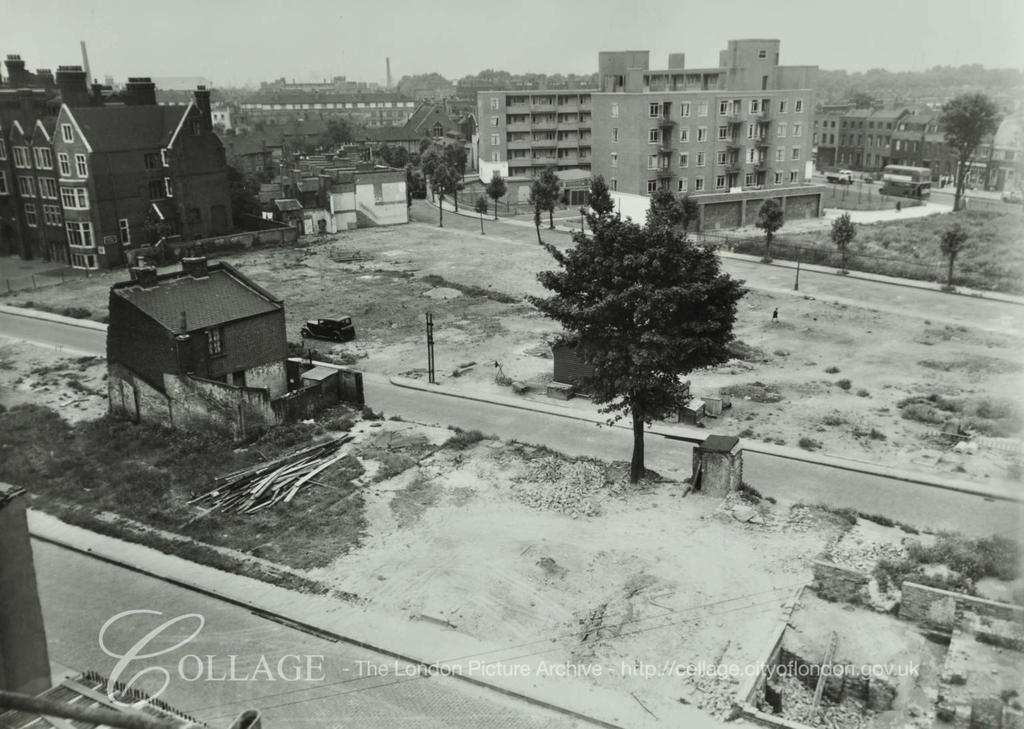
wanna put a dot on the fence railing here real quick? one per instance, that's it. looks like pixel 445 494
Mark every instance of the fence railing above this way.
pixel 27 282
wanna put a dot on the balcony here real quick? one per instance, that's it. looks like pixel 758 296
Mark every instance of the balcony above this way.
pixel 549 124
pixel 569 159
pixel 519 127
pixel 543 161
pixel 666 122
pixel 569 143
pixel 733 143
pixel 664 173
pixel 519 144
pixel 543 143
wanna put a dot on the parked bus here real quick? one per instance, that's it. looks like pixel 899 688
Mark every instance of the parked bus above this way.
pixel 906 181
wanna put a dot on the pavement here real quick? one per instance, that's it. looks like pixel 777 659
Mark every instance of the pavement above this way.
pixel 79 591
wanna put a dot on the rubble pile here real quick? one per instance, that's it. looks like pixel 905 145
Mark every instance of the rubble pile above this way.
pixel 856 553
pixel 568 487
pixel 797 700
pixel 715 695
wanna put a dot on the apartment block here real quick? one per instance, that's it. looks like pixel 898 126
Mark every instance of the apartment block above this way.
pixel 730 136
pixel 521 133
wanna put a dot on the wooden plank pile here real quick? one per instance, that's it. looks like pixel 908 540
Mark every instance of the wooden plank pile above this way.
pixel 272 482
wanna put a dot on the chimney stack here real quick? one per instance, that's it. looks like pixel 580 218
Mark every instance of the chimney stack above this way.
pixel 202 97
pixel 140 91
pixel 17 76
pixel 44 77
pixel 74 90
pixel 145 276
pixel 388 59
pixel 24 662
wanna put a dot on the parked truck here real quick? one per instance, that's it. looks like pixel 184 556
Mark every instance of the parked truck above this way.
pixel 842 177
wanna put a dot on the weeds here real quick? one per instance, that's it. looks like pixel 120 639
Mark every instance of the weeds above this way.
pixel 844 384
pixel 463 439
pixel 809 444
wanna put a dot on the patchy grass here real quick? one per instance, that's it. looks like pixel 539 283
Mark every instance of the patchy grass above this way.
pixel 1001 418
pixel 809 444
pixel 74 312
pixel 463 439
pixel 833 370
pixel 953 563
pixel 147 473
pixel 468 290
pixel 754 391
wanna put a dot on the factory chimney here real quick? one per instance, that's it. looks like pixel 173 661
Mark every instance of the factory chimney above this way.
pixel 85 63
pixel 389 73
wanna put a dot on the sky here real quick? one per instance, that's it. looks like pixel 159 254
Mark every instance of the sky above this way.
pixel 234 42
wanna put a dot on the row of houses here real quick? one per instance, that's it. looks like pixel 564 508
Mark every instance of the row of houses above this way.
pixel 869 139
pixel 88 176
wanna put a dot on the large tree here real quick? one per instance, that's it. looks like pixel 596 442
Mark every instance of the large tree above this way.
pixel 769 219
pixel 496 189
pixel 842 234
pixel 600 199
pixel 952 243
pixel 667 209
pixel 645 307
pixel 536 202
pixel 966 121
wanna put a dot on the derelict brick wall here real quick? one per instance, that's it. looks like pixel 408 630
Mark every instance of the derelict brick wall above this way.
pixel 839 584
pixel 937 608
pixel 258 340
pixel 300 404
pixel 197 403
pixel 723 215
pixel 133 397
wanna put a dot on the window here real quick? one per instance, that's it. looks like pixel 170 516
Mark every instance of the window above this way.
pixel 3 183
pixel 3 150
pixel 702 134
pixel 21 157
pixel 157 191
pixel 748 179
pixel 684 109
pixel 653 136
pixel 615 184
pixel 495 156
pixel 494 121
pixel 615 111
pixel 652 161
pixel 723 108
pixel 702 108
pixel 167 187
pixel 153 160
pixel 48 188
pixel 79 260
pixel 684 159
pixel 782 129
pixel 494 103
pixel 495 139
pixel 163 158
pixel 652 186
pixel 654 110
pixel 683 184
pixel 752 156
pixel 74 198
pixel 44 158
pixel 798 130
pixel 698 184
pixel 782 106
pixel 615 134
pixel 51 215
pixel 720 157
pixel 30 215
pixel 615 159
pixel 780 155
pixel 80 234
pixel 751 131
pixel 762 53
pixel 723 132
pixel 64 164
pixel 80 165
pixel 798 106
pixel 796 153
pixel 124 231
pixel 196 127
pixel 215 341
pixel 684 135
pixel 700 159
pixel 66 134
pixel 778 178
pixel 25 187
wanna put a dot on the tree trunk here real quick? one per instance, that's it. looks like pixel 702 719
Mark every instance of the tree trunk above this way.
pixel 768 246
pixel 495 209
pixel 440 211
pixel 636 466
pixel 551 218
pixel 538 232
pixel 481 223
pixel 949 276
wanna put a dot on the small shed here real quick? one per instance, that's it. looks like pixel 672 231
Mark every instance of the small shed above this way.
pixel 692 412
pixel 570 369
pixel 717 465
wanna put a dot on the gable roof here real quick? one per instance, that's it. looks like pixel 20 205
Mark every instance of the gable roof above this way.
pixel 225 295
pixel 110 128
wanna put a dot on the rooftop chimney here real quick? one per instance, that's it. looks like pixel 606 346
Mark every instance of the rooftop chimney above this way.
pixel 74 90
pixel 140 91
pixel 16 73
pixel 24 662
pixel 44 77
pixel 145 276
pixel 202 96
pixel 195 267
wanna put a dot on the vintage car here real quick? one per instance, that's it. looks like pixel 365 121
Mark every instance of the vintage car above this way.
pixel 337 330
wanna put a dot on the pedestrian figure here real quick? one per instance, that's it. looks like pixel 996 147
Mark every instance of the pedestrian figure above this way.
pixel 775 317
pixel 899 206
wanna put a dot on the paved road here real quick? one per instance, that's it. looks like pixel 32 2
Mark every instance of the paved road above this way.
pixel 79 594
pixel 915 504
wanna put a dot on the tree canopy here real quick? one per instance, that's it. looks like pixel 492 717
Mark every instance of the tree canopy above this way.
pixel 496 189
pixel 769 219
pixel 843 232
pixel 644 307
pixel 966 121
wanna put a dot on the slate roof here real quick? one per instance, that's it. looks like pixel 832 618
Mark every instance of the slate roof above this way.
pixel 287 205
pixel 223 296
pixel 110 128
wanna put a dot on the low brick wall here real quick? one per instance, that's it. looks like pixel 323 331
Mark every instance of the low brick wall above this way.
pixel 840 584
pixel 935 608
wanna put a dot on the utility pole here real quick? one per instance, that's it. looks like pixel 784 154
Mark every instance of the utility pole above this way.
pixel 430 349
pixel 796 284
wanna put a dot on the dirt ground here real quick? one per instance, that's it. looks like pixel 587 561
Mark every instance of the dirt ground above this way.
pixel 829 376
pixel 74 386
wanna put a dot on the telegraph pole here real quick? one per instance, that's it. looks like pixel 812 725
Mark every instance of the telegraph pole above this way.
pixel 430 349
